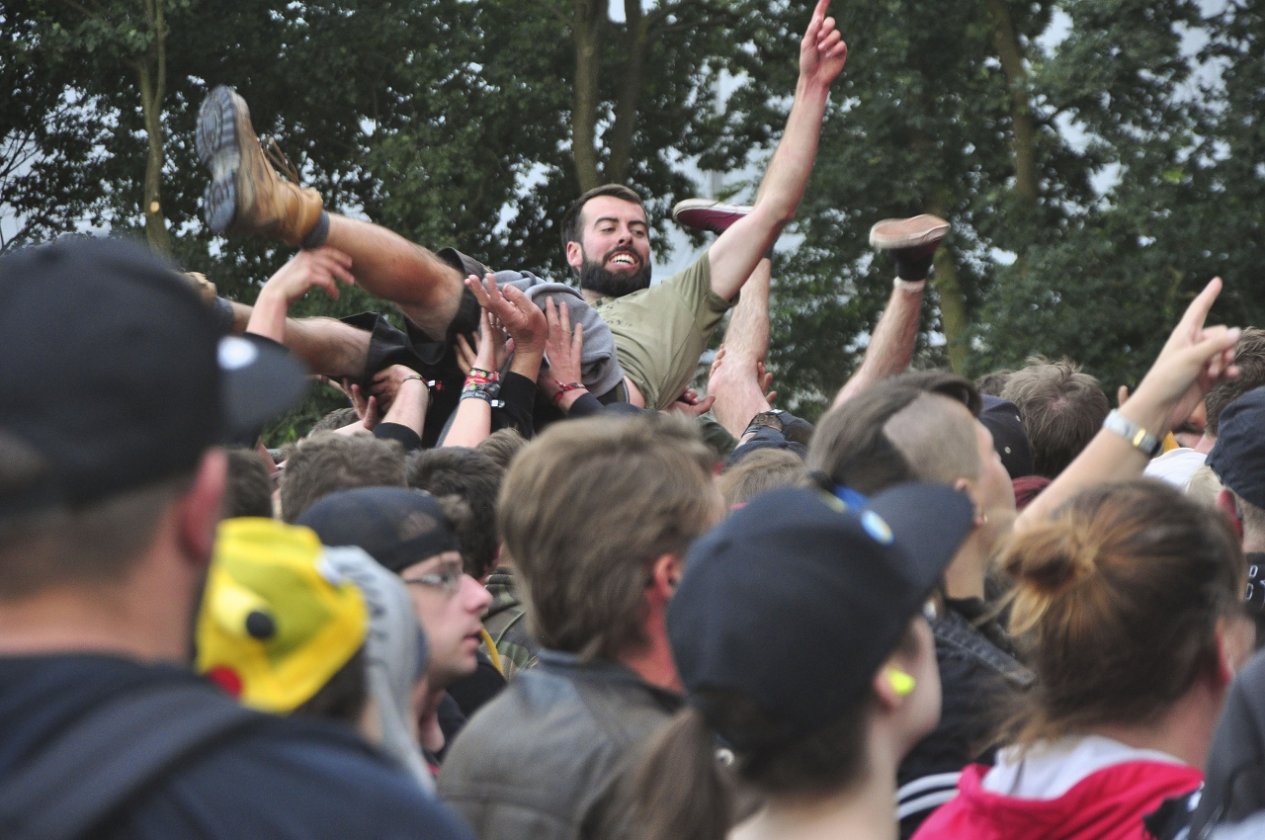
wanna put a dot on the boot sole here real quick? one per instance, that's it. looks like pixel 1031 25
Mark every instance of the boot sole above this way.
pixel 218 142
pixel 895 234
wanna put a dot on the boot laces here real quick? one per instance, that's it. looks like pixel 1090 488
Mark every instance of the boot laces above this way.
pixel 279 161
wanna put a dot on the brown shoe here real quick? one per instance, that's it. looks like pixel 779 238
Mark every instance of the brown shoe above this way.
pixel 912 243
pixel 246 195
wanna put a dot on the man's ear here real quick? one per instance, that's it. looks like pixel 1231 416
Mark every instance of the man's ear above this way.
pixel 665 575
pixel 575 255
pixel 967 487
pixel 1230 509
pixel 198 511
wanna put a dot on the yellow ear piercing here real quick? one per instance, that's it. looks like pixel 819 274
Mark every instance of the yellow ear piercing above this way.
pixel 901 683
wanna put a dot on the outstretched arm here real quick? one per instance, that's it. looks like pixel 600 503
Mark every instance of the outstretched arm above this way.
pixel 734 254
pixel 1193 359
pixel 472 421
pixel 320 267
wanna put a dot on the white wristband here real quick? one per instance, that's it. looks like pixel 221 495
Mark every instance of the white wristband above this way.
pixel 1141 440
pixel 910 286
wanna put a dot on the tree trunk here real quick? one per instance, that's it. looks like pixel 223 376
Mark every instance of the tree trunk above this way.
pixel 1023 144
pixel 629 100
pixel 152 75
pixel 586 29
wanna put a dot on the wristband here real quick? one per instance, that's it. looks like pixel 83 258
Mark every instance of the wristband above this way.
pixel 429 383
pixel 484 395
pixel 562 389
pixel 1141 440
pixel 910 286
pixel 493 388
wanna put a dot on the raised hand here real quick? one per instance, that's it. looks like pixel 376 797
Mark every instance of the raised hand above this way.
pixel 565 346
pixel 322 268
pixel 521 318
pixel 690 405
pixel 1194 358
pixel 386 384
pixel 822 52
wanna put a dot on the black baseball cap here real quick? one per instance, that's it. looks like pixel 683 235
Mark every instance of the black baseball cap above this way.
pixel 1010 439
pixel 397 526
pixel 115 375
pixel 1238 458
pixel 797 571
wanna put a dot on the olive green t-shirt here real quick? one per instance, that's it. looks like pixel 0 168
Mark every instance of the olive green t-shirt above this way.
pixel 660 332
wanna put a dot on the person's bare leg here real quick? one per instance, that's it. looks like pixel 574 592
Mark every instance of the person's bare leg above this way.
pixel 425 288
pixel 734 380
pixel 247 196
pixel 912 243
pixel 326 345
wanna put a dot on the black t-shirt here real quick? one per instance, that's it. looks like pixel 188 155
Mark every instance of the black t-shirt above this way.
pixel 281 779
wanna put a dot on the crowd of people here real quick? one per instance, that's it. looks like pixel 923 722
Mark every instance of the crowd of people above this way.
pixel 534 582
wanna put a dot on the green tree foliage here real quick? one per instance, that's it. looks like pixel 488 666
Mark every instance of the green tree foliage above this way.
pixel 1099 159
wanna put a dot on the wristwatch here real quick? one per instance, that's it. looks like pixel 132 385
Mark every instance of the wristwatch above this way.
pixel 774 418
pixel 1142 440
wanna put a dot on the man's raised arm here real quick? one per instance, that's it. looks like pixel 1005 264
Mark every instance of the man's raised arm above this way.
pixel 734 254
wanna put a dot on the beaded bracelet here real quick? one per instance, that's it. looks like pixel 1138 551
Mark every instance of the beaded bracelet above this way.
pixel 492 388
pixel 481 375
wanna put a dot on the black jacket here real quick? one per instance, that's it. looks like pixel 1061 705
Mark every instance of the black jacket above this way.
pixel 288 779
pixel 1234 782
pixel 978 675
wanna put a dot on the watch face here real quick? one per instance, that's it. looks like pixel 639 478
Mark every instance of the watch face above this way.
pixel 772 419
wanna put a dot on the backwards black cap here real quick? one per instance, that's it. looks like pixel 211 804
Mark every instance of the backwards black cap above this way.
pixel 114 375
pixel 792 569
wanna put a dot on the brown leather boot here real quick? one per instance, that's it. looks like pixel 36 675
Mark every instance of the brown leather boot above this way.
pixel 246 195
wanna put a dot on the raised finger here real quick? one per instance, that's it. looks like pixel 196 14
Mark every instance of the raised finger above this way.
pixel 476 288
pixel 1199 308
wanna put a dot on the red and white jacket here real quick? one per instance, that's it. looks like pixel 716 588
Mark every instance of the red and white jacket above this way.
pixel 1088 788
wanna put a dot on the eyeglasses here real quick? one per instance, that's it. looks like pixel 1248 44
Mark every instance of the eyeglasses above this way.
pixel 446 578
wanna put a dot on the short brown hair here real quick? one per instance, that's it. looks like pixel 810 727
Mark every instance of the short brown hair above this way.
pixel 249 491
pixel 1062 408
pixel 763 469
pixel 572 221
pixel 587 508
pixel 327 461
pixel 1249 356
pixel 502 445
pixel 1115 603
pixel 475 479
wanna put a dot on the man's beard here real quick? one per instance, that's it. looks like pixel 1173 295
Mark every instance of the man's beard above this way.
pixel 595 278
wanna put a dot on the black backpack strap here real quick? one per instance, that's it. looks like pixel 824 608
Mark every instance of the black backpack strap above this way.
pixel 107 756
